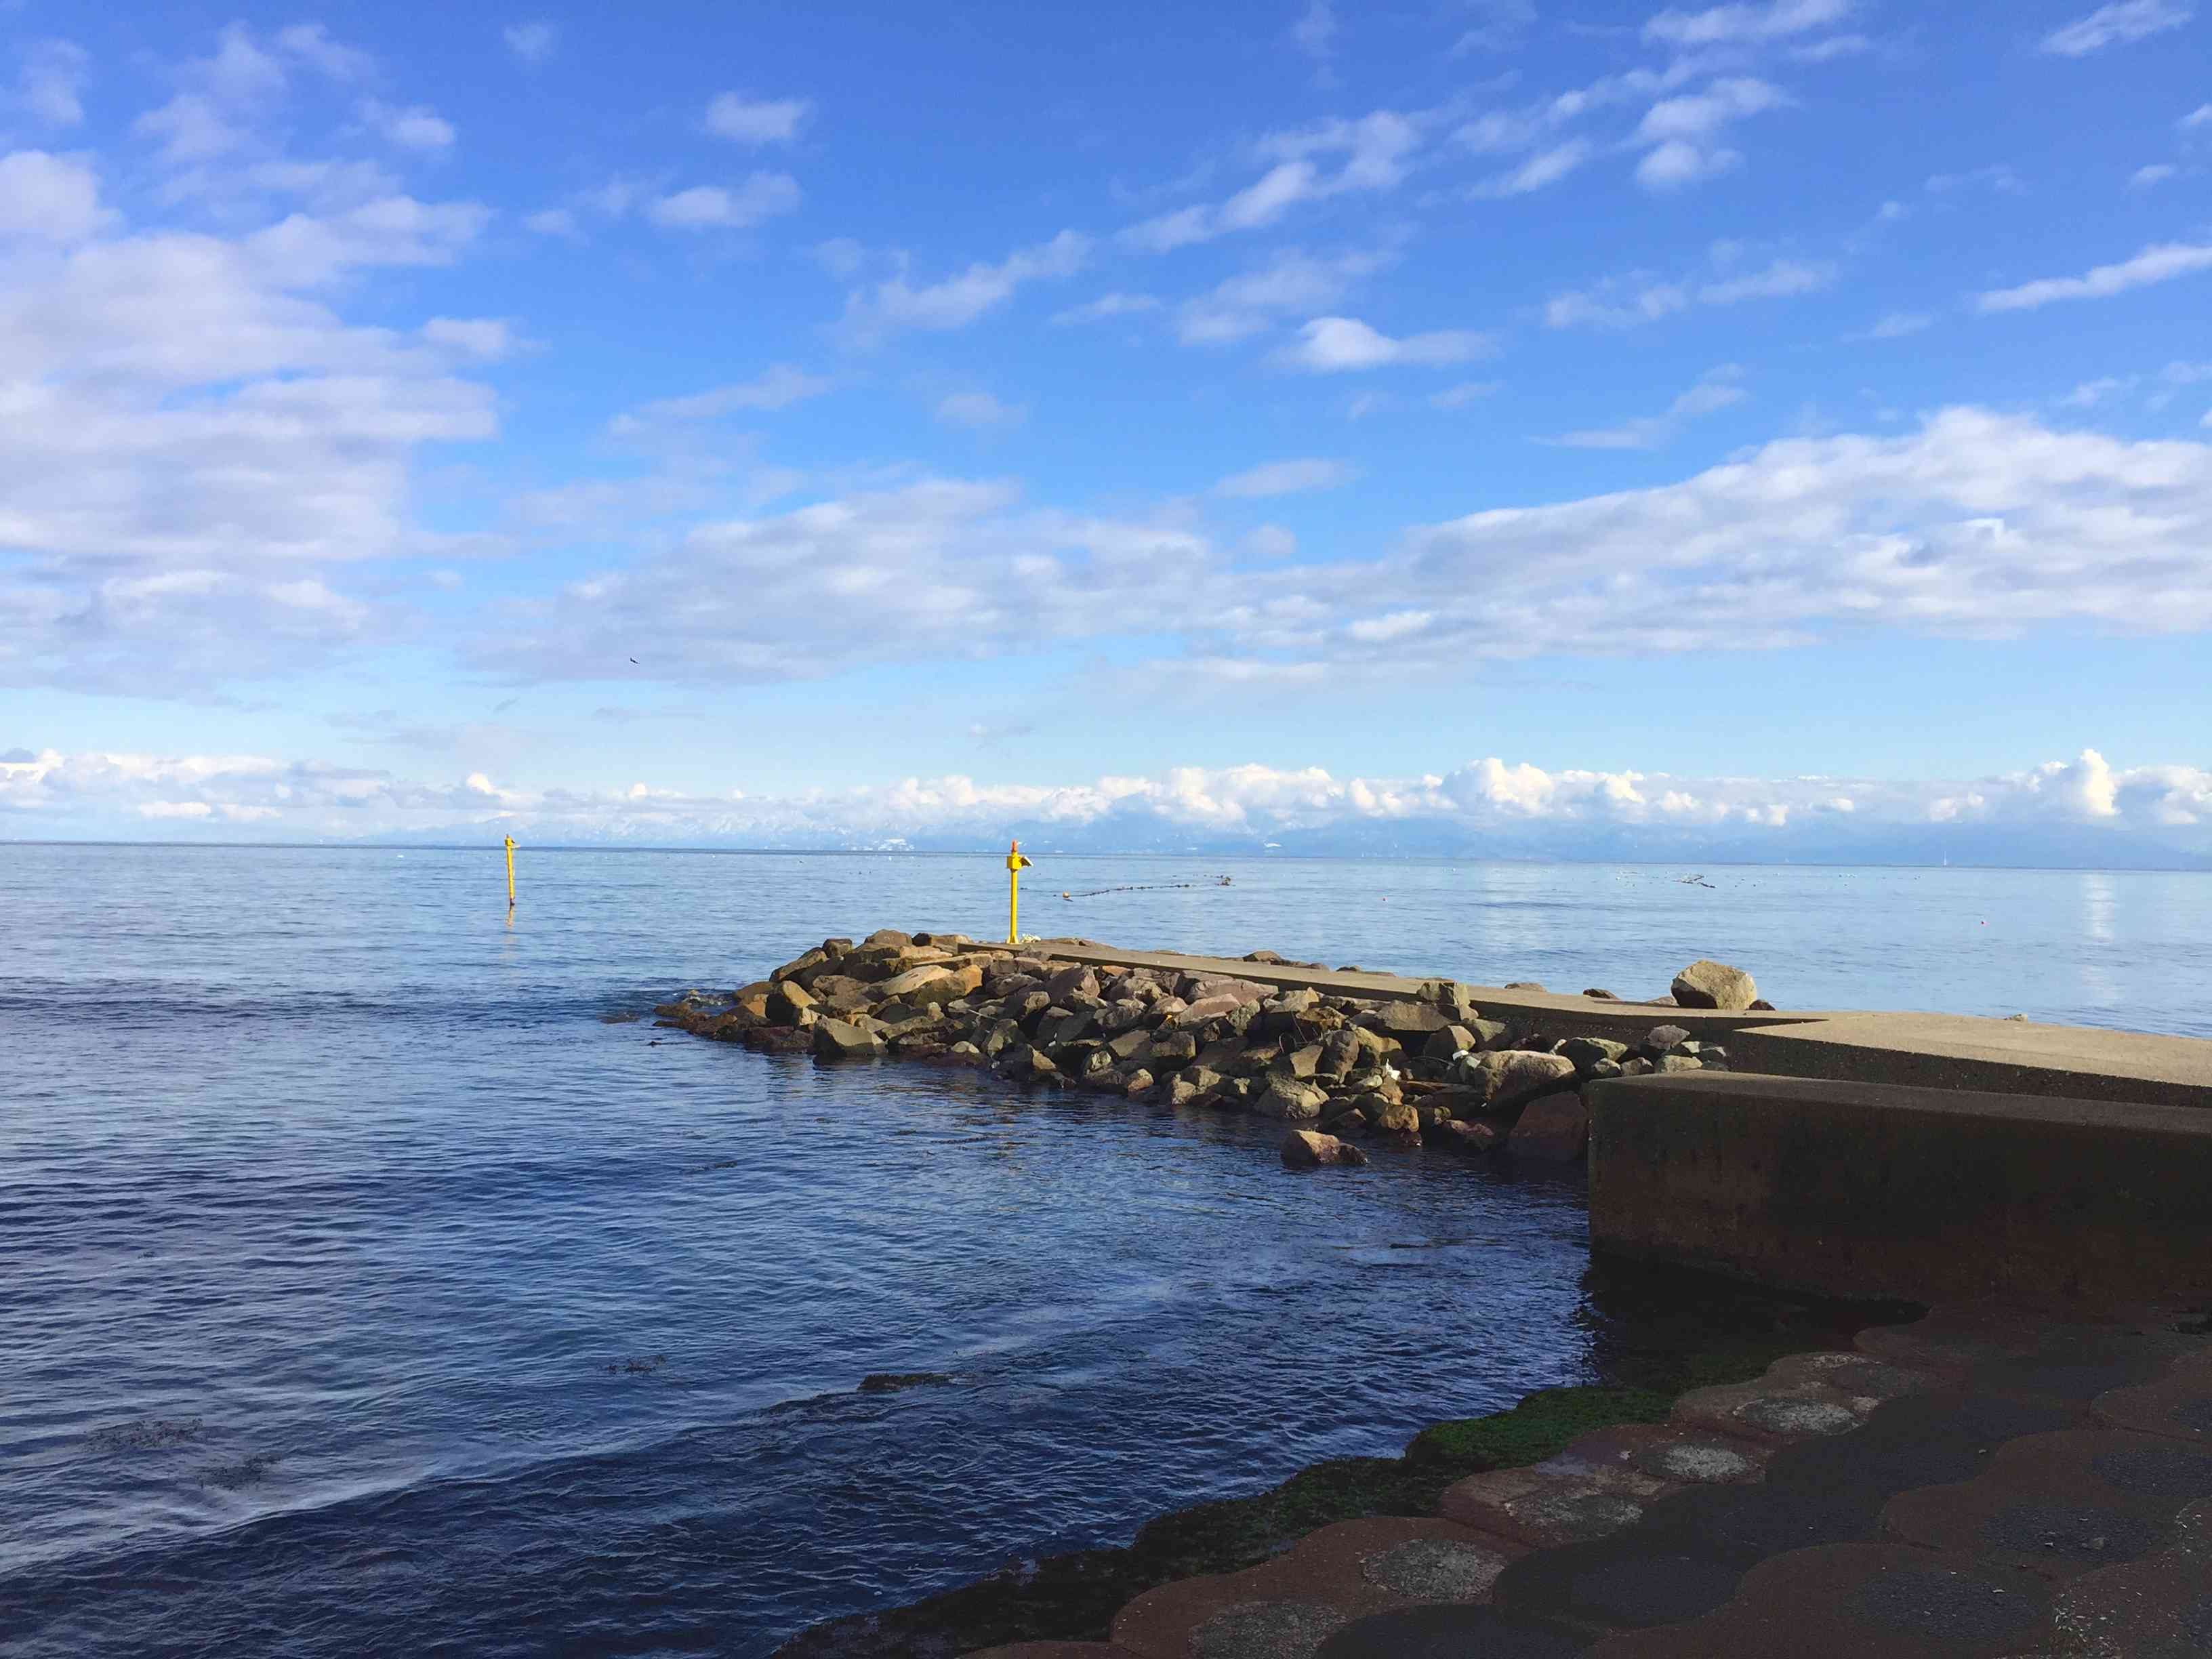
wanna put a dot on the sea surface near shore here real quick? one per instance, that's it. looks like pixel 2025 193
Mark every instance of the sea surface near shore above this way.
pixel 372 1282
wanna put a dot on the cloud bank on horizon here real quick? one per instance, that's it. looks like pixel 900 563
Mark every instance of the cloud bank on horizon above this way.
pixel 1246 413
pixel 2079 811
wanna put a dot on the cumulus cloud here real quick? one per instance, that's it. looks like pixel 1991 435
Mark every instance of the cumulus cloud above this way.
pixel 1329 345
pixel 1472 806
pixel 756 121
pixel 2121 23
pixel 762 195
pixel 2162 263
pixel 958 300
pixel 1287 478
pixel 50 198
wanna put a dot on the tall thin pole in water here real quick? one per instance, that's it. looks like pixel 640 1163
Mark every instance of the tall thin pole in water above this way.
pixel 1015 864
pixel 510 873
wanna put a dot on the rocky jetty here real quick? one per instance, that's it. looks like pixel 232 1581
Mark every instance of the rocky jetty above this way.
pixel 1332 1070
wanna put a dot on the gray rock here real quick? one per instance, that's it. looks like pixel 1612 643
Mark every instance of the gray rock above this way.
pixel 1291 1101
pixel 1522 985
pixel 1174 1049
pixel 1024 1063
pixel 1664 1039
pixel 1072 982
pixel 1678 1063
pixel 1411 1023
pixel 1451 1040
pixel 1586 1052
pixel 1136 1083
pixel 1509 1077
pixel 1602 996
pixel 1604 1069
pixel 1299 1064
pixel 1637 1067
pixel 1705 984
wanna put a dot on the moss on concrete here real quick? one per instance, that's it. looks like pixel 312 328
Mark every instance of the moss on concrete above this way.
pixel 1074 1597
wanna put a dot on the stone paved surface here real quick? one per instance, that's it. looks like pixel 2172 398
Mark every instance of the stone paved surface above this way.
pixel 1986 1483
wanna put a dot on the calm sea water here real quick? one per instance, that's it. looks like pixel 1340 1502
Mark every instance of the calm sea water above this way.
pixel 366 1283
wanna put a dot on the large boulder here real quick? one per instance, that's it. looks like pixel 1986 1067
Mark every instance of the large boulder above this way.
pixel 1411 1023
pixel 1466 1137
pixel 1553 1130
pixel 1025 1064
pixel 1510 1077
pixel 788 1003
pixel 1401 1119
pixel 800 964
pixel 1215 1007
pixel 1290 1101
pixel 1713 985
pixel 1305 1149
pixel 1069 982
pixel 837 1039
pixel 932 983
pixel 1587 1052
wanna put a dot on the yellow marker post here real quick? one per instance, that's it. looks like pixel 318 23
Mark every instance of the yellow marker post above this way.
pixel 1015 864
pixel 510 873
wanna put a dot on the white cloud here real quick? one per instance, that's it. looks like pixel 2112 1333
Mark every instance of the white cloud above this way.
pixel 551 222
pixel 2090 394
pixel 532 43
pixel 2159 263
pixel 1778 281
pixel 778 387
pixel 50 198
pixel 1375 149
pixel 2199 116
pixel 977 409
pixel 1678 162
pixel 487 339
pixel 418 128
pixel 1532 809
pixel 52 84
pixel 1546 167
pixel 1338 344
pixel 1287 478
pixel 2157 173
pixel 1998 176
pixel 1106 306
pixel 1731 25
pixel 1896 325
pixel 1292 281
pixel 1271 541
pixel 1466 392
pixel 311 44
pixel 2119 24
pixel 1315 33
pixel 1716 391
pixel 1626 303
pixel 712 207
pixel 756 121
pixel 959 301
pixel 1826 51
pixel 1700 115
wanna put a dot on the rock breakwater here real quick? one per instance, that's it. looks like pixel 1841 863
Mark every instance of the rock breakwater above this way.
pixel 1333 1070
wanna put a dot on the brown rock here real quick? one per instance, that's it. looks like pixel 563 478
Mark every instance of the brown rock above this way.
pixel 1602 996
pixel 1290 1100
pixel 1712 985
pixel 1401 1119
pixel 1554 1129
pixel 1136 1083
pixel 1468 1137
pixel 1304 1149
pixel 1509 1077
pixel 788 1002
pixel 837 1039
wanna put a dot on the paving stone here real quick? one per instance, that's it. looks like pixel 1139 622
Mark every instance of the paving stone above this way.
pixel 1679 1454
pixel 1923 1440
pixel 1625 1582
pixel 1451 1631
pixel 1328 1572
pixel 2177 1405
pixel 1780 1413
pixel 1562 1500
pixel 2060 1504
pixel 1859 1375
pixel 1265 1630
pixel 1967 1334
pixel 2160 1607
pixel 1053 1650
pixel 1747 1524
pixel 1864 1601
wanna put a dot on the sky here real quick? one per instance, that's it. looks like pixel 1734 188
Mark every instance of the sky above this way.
pixel 1775 428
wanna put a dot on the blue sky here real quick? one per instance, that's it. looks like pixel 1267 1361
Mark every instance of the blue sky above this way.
pixel 1463 415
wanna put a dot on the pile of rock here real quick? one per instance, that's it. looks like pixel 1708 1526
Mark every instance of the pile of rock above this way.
pixel 1331 1069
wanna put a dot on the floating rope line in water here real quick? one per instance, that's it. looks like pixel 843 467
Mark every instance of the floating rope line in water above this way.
pixel 1151 887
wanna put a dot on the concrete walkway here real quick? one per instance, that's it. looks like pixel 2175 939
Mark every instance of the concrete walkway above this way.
pixel 1984 1483
pixel 1942 1051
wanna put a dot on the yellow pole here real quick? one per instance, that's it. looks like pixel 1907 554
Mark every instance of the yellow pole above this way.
pixel 510 873
pixel 1015 864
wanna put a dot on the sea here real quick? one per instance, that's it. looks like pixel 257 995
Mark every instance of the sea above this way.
pixel 376 1276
